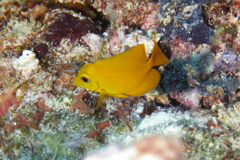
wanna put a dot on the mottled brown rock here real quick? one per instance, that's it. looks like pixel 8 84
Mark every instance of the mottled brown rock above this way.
pixel 38 116
pixel 39 10
pixel 41 105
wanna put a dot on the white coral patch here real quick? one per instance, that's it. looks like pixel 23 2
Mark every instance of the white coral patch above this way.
pixel 94 41
pixel 27 64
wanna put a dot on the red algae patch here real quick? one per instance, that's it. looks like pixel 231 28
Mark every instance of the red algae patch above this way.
pixel 68 26
pixel 80 106
pixel 41 105
pixel 98 130
pixel 20 122
pixel 38 116
pixel 7 99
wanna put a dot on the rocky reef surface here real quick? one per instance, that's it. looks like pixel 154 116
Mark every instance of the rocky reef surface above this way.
pixel 194 112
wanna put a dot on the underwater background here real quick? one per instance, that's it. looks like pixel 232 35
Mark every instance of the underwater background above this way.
pixel 193 113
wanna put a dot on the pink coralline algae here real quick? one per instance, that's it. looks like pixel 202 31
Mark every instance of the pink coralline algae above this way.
pixel 114 43
pixel 189 98
pixel 41 105
pixel 151 21
pixel 180 47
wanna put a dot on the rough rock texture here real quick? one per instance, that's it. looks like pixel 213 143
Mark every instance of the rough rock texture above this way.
pixel 43 115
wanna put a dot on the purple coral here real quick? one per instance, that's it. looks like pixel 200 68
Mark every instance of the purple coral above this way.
pixel 227 63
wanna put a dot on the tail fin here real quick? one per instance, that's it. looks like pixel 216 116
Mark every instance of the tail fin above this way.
pixel 157 58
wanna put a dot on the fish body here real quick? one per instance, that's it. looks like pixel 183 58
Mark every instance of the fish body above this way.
pixel 129 73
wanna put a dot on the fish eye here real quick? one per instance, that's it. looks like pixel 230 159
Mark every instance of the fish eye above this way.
pixel 85 79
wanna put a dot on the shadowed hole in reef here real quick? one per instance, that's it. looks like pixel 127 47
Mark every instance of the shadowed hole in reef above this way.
pixel 101 22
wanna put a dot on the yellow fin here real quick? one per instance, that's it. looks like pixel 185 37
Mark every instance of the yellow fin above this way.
pixel 101 100
pixel 157 58
pixel 149 82
pixel 134 55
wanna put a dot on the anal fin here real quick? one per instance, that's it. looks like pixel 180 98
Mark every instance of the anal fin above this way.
pixel 149 83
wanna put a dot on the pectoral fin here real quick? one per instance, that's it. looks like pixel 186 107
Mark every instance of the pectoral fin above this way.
pixel 101 100
pixel 102 97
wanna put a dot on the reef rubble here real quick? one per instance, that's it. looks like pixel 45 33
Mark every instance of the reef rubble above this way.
pixel 194 112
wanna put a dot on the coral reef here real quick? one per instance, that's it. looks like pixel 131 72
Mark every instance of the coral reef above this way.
pixel 7 73
pixel 43 115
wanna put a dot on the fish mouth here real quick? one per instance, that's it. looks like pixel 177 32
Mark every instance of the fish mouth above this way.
pixel 75 81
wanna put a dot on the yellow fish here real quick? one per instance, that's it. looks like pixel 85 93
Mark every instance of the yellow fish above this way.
pixel 129 73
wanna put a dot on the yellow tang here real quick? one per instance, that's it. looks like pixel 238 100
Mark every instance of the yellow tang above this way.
pixel 129 73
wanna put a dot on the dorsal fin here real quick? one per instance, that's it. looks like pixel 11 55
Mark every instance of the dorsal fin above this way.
pixel 131 56
pixel 157 58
